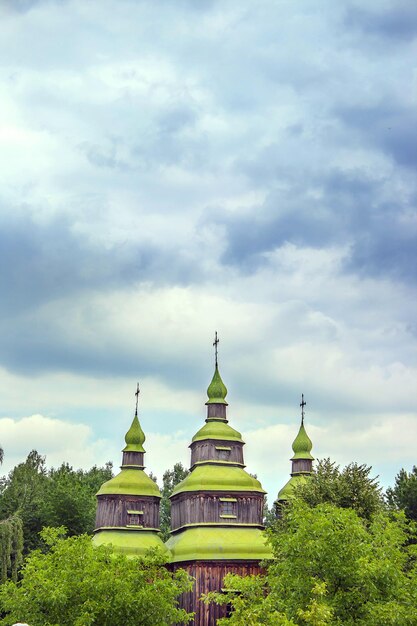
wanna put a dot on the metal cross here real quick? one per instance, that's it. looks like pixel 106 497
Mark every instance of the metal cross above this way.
pixel 215 344
pixel 302 405
pixel 137 399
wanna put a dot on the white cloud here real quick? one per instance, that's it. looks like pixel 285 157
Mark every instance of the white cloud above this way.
pixel 60 441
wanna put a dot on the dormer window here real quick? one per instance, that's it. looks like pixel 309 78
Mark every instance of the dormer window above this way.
pixel 228 508
pixel 223 453
pixel 134 518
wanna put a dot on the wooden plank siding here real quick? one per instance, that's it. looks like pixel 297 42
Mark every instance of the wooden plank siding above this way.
pixel 206 507
pixel 207 450
pixel 112 510
pixel 209 576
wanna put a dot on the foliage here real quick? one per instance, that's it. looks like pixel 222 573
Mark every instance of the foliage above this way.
pixel 62 496
pixel 78 584
pixel 70 497
pixel 23 492
pixel 331 567
pixel 170 479
pixel 404 494
pixel 269 515
pixel 11 547
pixel 351 488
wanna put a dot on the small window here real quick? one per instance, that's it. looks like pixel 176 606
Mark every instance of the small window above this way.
pixel 223 453
pixel 228 508
pixel 135 518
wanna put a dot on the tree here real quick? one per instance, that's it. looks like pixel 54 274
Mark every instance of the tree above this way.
pixel 70 497
pixel 330 566
pixel 22 493
pixel 11 547
pixel 404 494
pixel 54 497
pixel 170 479
pixel 352 487
pixel 78 584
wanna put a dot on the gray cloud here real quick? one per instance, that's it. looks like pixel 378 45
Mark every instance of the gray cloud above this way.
pixel 390 127
pixel 348 208
pixel 397 20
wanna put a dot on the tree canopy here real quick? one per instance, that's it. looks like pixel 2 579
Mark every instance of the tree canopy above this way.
pixel 53 497
pixel 78 584
pixel 403 495
pixel 170 479
pixel 352 487
pixel 333 567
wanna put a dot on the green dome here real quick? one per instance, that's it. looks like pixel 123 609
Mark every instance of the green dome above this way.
pixel 218 543
pixel 217 390
pixel 131 482
pixel 135 437
pixel 302 445
pixel 287 492
pixel 214 429
pixel 218 478
pixel 133 543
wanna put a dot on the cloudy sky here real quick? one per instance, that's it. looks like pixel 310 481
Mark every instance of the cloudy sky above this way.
pixel 169 169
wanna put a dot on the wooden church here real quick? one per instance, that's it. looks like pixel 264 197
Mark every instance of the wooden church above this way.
pixel 216 511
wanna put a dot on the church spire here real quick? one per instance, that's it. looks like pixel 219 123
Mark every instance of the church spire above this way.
pixel 302 444
pixel 217 390
pixel 302 460
pixel 135 437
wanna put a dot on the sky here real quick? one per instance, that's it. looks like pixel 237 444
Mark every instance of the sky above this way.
pixel 172 169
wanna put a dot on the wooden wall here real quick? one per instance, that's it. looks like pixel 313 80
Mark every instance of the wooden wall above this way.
pixel 208 450
pixel 204 507
pixel 302 465
pixel 112 510
pixel 209 577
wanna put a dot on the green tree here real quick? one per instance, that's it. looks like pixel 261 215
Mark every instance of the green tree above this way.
pixel 69 498
pixel 11 547
pixel 22 492
pixel 352 487
pixel 330 566
pixel 78 584
pixel 170 479
pixel 403 495
pixel 54 497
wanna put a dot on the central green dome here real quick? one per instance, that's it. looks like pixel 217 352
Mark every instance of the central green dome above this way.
pixel 210 477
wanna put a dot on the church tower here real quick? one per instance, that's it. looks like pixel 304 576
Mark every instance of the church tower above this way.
pixel 128 504
pixel 302 461
pixel 217 510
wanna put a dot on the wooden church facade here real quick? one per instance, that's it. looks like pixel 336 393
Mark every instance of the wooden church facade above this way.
pixel 216 511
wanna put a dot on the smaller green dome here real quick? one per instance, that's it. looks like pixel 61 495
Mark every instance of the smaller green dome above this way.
pixel 287 492
pixel 135 437
pixel 217 390
pixel 133 543
pixel 130 482
pixel 302 445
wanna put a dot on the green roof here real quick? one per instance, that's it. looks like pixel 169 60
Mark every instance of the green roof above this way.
pixel 218 478
pixel 218 429
pixel 133 543
pixel 302 445
pixel 132 482
pixel 135 437
pixel 217 390
pixel 287 492
pixel 218 543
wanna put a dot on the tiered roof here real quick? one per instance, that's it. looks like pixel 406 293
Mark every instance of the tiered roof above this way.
pixel 217 508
